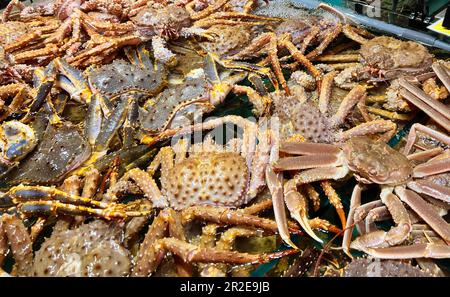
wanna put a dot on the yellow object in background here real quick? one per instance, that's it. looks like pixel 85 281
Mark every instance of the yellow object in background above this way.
pixel 437 27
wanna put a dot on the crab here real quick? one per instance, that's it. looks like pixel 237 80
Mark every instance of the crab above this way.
pixel 386 58
pixel 16 141
pixel 200 92
pixel 375 162
pixel 255 179
pixel 93 249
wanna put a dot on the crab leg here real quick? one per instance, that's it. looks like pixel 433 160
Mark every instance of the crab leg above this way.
pixel 19 239
pixel 423 250
pixel 111 124
pixel 427 154
pixel 296 204
pixel 442 73
pixel 362 212
pixel 7 12
pixel 324 44
pixel 114 211
pixel 335 200
pixel 192 253
pixel 347 104
pixel 300 148
pixel 424 129
pixel 223 215
pixel 302 59
pixel 275 184
pixel 434 109
pixel 439 164
pixel 325 92
pixel 436 105
pixel 269 39
pixel 307 162
pixel 343 58
pixel 377 126
pixel 427 213
pixel 431 189
pixel 318 174
pixel 395 235
pixel 355 202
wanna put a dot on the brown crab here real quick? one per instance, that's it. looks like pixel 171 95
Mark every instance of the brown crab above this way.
pixel 386 58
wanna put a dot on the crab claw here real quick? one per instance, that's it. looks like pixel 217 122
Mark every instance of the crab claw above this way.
pixel 296 204
pixel 72 81
pixel 274 182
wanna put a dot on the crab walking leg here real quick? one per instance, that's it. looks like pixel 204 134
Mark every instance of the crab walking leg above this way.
pixel 436 105
pixel 425 211
pixel 318 174
pixel 442 73
pixel 23 194
pixel 432 113
pixel 374 215
pixel 147 258
pixel 355 202
pixel 300 148
pixel 342 58
pixel 21 244
pixel 347 104
pixel 269 40
pixel 192 253
pixel 147 184
pixel 424 129
pixel 261 103
pixel 423 250
pixel 275 184
pixel 296 204
pixel 223 215
pixel 362 212
pixel 430 189
pixel 439 164
pixel 115 211
pixel 351 33
pixel 325 92
pixel 334 32
pixel 424 155
pixel 335 200
pixel 302 59
pixel 313 196
pixel 307 162
pixel 395 235
pixel 387 127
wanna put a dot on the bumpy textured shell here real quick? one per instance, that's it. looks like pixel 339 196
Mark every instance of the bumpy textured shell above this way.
pixel 389 53
pixel 382 268
pixel 61 149
pixel 228 40
pixel 121 76
pixel 207 178
pixel 90 250
pixel 156 116
pixel 304 119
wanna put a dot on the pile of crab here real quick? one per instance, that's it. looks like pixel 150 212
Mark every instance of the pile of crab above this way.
pixel 124 150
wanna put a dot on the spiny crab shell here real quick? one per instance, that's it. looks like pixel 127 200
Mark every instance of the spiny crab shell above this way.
pixel 214 178
pixel 122 77
pixel 92 249
pixel 388 53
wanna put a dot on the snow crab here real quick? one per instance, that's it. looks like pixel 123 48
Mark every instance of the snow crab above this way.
pixel 375 162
